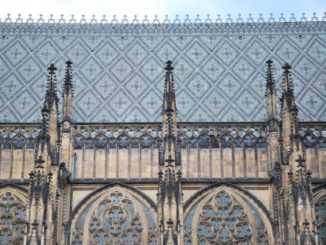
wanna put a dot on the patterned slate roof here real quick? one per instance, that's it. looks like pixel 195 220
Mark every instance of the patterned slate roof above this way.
pixel 119 68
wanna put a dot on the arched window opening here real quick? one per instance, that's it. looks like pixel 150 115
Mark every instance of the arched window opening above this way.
pixel 78 142
pixel 12 219
pixel 320 211
pixel 146 141
pixel 123 141
pixel 19 142
pixel 116 217
pixel 224 218
pixel 100 142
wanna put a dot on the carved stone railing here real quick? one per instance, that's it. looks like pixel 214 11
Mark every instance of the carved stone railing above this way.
pixel 113 26
pixel 166 20
pixel 189 135
pixel 21 135
pixel 314 136
pixel 113 150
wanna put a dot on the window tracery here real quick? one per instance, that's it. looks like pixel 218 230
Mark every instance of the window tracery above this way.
pixel 223 220
pixel 320 209
pixel 115 220
pixel 12 219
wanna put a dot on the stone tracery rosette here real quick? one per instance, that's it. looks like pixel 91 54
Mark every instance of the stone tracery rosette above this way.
pixel 223 218
pixel 116 218
pixel 320 212
pixel 12 218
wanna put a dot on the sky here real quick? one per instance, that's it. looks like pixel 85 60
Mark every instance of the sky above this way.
pixel 160 8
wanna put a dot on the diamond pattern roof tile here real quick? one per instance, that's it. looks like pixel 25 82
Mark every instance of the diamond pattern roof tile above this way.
pixel 217 70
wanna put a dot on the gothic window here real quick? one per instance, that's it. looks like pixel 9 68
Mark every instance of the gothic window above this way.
pixel 203 141
pixel 249 141
pixel 100 142
pixel 182 141
pixel 78 142
pixel 146 141
pixel 309 140
pixel 226 141
pixel 19 141
pixel 115 219
pixel 123 141
pixel 320 209
pixel 12 219
pixel 223 219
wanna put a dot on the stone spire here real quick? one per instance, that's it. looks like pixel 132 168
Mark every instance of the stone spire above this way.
pixel 67 96
pixel 49 137
pixel 66 152
pixel 289 113
pixel 169 193
pixel 272 133
pixel 271 97
pixel 50 125
pixel 296 202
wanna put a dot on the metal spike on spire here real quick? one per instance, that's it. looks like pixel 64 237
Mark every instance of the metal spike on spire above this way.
pixel 50 134
pixel 50 98
pixel 271 96
pixel 288 91
pixel 68 84
pixel 287 79
pixel 270 84
pixel 67 96
pixel 51 92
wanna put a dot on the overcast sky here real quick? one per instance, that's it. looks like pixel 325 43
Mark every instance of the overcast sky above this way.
pixel 160 8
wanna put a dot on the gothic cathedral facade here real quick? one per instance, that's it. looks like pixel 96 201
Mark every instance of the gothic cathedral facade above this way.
pixel 171 132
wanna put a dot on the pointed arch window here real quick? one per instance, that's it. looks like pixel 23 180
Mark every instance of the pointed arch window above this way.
pixel 224 219
pixel 12 219
pixel 118 218
pixel 320 211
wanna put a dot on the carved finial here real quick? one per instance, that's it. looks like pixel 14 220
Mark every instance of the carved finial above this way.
pixel 67 85
pixel 50 102
pixel 271 96
pixel 287 79
pixel 135 20
pixel 52 83
pixel 67 95
pixel 289 112
pixel 270 85
pixel 169 66
pixel 72 20
pixel 104 20
pixel 52 68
